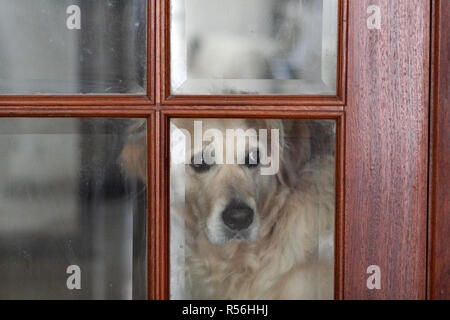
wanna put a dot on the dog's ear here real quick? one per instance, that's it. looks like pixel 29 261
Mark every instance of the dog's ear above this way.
pixel 294 147
pixel 295 151
pixel 134 154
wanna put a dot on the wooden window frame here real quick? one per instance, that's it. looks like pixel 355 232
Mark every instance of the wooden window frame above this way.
pixel 79 104
pixel 159 254
pixel 170 106
pixel 158 108
pixel 350 112
pixel 169 99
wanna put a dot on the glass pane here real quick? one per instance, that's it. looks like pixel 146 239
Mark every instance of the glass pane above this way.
pixel 72 46
pixel 252 209
pixel 69 199
pixel 254 47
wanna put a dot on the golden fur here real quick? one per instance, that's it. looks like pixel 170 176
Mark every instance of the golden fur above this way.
pixel 291 257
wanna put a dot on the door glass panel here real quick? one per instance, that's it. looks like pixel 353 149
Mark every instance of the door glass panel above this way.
pixel 254 47
pixel 73 46
pixel 69 199
pixel 252 209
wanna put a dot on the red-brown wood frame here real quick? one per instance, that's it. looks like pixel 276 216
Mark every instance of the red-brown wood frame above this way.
pixel 235 107
pixel 254 100
pixel 160 258
pixel 122 102
pixel 439 192
pixel 158 115
pixel 403 252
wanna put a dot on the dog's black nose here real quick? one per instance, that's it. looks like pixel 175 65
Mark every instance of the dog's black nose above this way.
pixel 237 216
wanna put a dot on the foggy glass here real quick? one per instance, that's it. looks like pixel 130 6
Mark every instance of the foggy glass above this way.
pixel 254 47
pixel 239 232
pixel 67 199
pixel 42 53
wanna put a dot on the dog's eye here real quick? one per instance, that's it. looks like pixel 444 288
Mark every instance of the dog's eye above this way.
pixel 200 167
pixel 252 159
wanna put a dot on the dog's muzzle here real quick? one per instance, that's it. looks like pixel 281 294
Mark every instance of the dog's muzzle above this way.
pixel 237 216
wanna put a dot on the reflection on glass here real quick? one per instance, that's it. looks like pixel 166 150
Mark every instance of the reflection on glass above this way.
pixel 68 196
pixel 43 52
pixel 252 209
pixel 254 47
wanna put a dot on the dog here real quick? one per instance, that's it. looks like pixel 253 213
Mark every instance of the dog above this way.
pixel 255 236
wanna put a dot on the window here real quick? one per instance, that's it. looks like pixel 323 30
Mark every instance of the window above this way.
pixel 256 47
pixel 66 200
pixel 95 48
pixel 152 148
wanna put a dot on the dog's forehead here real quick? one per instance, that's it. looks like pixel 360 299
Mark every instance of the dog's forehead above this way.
pixel 218 124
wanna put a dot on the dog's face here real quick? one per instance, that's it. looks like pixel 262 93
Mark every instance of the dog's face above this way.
pixel 231 201
pixel 227 200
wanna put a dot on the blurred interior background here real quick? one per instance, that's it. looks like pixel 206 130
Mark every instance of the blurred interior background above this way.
pixel 322 141
pixel 254 46
pixel 65 199
pixel 64 196
pixel 40 55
